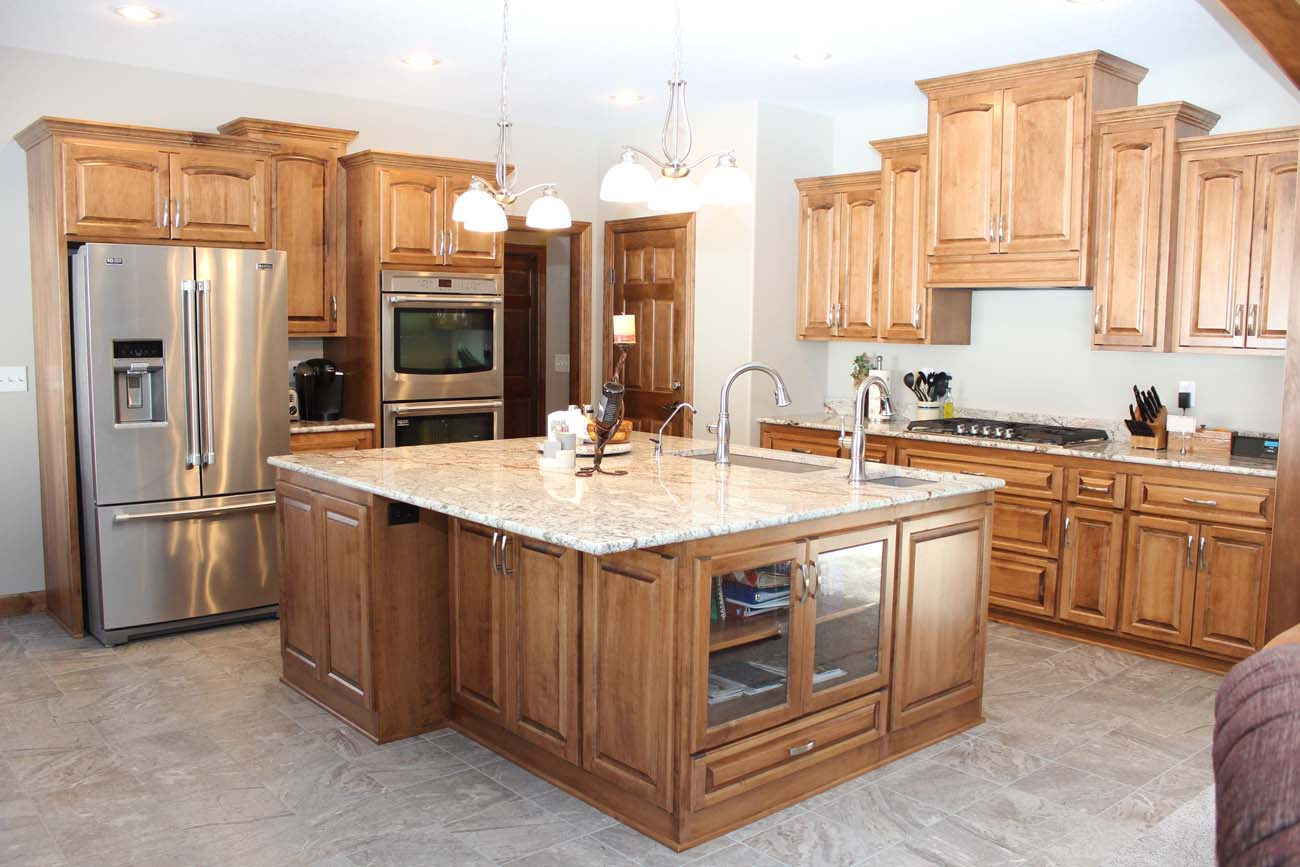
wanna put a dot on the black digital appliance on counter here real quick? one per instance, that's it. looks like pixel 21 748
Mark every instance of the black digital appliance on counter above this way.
pixel 1245 446
pixel 320 390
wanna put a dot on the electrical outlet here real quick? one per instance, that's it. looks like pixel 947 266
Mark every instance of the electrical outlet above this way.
pixel 1187 387
pixel 13 378
pixel 561 364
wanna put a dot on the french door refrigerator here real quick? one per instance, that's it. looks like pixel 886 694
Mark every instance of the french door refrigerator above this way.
pixel 180 361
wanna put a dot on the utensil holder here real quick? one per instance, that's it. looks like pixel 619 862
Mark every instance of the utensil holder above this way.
pixel 1160 439
pixel 928 410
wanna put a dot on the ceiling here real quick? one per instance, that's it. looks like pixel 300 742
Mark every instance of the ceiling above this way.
pixel 568 56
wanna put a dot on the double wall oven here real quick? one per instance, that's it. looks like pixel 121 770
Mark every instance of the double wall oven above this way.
pixel 441 343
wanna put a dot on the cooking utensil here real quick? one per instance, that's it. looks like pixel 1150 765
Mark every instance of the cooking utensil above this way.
pixel 1138 428
pixel 1156 396
pixel 909 380
pixel 1143 409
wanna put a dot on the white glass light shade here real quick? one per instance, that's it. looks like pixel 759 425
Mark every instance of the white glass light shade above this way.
pixel 626 181
pixel 485 216
pixel 548 211
pixel 726 185
pixel 674 195
pixel 475 200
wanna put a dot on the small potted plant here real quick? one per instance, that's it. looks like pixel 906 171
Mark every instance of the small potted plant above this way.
pixel 861 370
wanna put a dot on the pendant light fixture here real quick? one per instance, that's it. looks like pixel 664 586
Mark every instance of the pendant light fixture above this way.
pixel 481 208
pixel 629 181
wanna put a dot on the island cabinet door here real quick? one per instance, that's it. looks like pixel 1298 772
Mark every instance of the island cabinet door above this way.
pixel 301 590
pixel 345 566
pixel 939 630
pixel 749 675
pixel 848 615
pixel 542 644
pixel 1092 558
pixel 478 603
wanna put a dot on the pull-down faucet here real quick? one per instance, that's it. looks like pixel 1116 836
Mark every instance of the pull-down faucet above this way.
pixel 723 427
pixel 858 449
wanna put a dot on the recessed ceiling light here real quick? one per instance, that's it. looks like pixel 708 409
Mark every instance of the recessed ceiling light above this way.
pixel 134 12
pixel 812 56
pixel 421 61
pixel 626 97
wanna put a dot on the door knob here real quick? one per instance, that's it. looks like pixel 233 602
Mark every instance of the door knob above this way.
pixel 677 386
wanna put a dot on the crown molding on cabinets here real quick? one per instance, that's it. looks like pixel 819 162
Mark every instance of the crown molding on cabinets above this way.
pixel 45 127
pixel 1109 63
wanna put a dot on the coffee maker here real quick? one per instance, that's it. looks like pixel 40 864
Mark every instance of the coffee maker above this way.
pixel 320 389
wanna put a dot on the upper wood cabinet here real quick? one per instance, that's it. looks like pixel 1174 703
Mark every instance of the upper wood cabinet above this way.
pixel 1235 241
pixel 471 249
pixel 1009 153
pixel 114 189
pixel 839 241
pixel 306 217
pixel 1135 183
pixel 220 197
pixel 412 218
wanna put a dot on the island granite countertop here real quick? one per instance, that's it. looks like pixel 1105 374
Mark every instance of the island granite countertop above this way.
pixel 1112 450
pixel 660 501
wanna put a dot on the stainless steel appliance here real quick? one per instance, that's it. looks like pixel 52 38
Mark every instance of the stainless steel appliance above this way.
pixel 441 421
pixel 180 357
pixel 441 335
pixel 1049 434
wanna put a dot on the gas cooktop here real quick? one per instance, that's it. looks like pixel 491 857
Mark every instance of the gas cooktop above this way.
pixel 1047 434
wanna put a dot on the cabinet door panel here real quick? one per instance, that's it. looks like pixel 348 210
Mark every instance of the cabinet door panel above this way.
pixel 902 287
pixel 115 191
pixel 965 173
pixel 1027 525
pixel 410 217
pixel 220 197
pixel 301 593
pixel 477 612
pixel 860 250
pixel 304 187
pixel 940 628
pixel 1043 134
pixel 543 646
pixel 1127 289
pixel 1272 249
pixel 1022 583
pixel 1214 230
pixel 1232 569
pixel 1159 579
pixel 471 249
pixel 345 558
pixel 818 264
pixel 1092 554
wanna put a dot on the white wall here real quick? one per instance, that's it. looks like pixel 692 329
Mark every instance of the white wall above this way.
pixel 33 84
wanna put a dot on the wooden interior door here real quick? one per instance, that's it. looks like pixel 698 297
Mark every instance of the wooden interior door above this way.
pixel 1213 255
pixel 477 608
pixel 525 341
pixel 301 593
pixel 652 265
pixel 1044 128
pixel 115 191
pixel 819 267
pixel 1092 559
pixel 410 217
pixel 220 197
pixel 1232 569
pixel 1272 251
pixel 1159 579
pixel 1126 289
pixel 859 248
pixel 965 173
pixel 465 248
pixel 902 268
pixel 345 563
pixel 544 698
pixel 304 182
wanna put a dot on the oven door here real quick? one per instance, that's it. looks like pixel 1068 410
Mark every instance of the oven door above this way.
pixel 442 346
pixel 438 422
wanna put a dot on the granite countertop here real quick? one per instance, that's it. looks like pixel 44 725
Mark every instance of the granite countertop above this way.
pixel 659 502
pixel 339 424
pixel 1115 449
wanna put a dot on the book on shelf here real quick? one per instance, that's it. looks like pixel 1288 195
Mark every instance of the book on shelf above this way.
pixel 777 575
pixel 721 689
pixel 735 611
pixel 821 673
pixel 754 680
pixel 746 594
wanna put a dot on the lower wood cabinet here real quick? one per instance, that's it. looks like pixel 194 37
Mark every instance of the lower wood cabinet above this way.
pixel 329 441
pixel 1092 560
pixel 1022 582
pixel 818 441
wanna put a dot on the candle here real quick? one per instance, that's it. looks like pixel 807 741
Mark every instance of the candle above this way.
pixel 625 329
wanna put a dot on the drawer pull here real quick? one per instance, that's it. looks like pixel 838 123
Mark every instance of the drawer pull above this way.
pixel 1195 502
pixel 800 451
pixel 802 748
pixel 973 473
pixel 1095 489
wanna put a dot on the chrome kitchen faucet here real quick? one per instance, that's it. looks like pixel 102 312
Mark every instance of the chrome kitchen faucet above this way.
pixel 723 427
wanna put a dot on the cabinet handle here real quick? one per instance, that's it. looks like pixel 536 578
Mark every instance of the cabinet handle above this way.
pixel 1236 319
pixel 830 314
pixel 1252 325
pixel 167 212
pixel 916 316
pixel 496 566
pixel 816 580
pixel 1065 541
pixel 176 219
pixel 1002 228
pixel 1189 550
pixel 1195 502
pixel 1096 319
pixel 1096 489
pixel 1205 566
pixel 334 308
pixel 988 233
pixel 802 748
pixel 505 556
pixel 803 582
pixel 451 242
pixel 799 451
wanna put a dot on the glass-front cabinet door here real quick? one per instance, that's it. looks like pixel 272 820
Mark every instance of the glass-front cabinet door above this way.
pixel 847 615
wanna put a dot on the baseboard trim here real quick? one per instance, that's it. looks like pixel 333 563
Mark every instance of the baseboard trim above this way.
pixel 22 603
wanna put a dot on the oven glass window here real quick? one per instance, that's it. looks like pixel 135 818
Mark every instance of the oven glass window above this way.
pixel 436 341
pixel 426 430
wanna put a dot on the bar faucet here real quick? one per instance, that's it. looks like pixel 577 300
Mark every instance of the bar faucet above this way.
pixel 659 443
pixel 858 449
pixel 723 427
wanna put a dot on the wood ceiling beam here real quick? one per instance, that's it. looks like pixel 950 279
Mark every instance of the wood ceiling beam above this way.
pixel 1275 24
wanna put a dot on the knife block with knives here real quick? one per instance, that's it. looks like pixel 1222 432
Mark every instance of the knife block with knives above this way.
pixel 1146 424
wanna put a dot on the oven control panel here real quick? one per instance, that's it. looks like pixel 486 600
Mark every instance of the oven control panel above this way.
pixel 435 283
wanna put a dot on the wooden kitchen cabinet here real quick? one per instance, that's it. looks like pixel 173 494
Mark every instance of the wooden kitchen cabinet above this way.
pixel 819 441
pixel 1092 561
pixel 1231 575
pixel 302 597
pixel 1135 184
pixel 413 222
pixel 1159 579
pixel 478 600
pixel 466 248
pixel 115 189
pixel 839 242
pixel 1235 241
pixel 1009 164
pixel 220 197
pixel 329 441
pixel 307 214
pixel 1023 582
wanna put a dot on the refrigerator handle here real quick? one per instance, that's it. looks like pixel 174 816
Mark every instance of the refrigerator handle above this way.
pixel 191 376
pixel 205 297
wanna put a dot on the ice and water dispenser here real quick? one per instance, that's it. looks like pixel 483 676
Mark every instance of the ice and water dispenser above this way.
pixel 139 382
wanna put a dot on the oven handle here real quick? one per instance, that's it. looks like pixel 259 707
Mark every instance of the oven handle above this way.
pixel 440 406
pixel 458 300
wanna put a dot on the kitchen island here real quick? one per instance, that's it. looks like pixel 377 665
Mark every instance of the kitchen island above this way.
pixel 688 647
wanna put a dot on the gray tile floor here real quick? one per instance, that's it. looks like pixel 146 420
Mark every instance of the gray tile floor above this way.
pixel 186 750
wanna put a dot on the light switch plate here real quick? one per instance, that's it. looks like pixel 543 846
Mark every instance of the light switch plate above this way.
pixel 13 378
pixel 561 364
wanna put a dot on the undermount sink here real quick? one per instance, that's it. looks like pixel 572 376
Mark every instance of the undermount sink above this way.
pixel 897 481
pixel 758 463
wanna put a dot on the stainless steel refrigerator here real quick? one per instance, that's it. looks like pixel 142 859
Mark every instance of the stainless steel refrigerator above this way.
pixel 180 356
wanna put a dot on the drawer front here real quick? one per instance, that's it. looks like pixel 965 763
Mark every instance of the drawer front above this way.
pixel 878 453
pixel 1096 487
pixel 1248 505
pixel 1023 583
pixel 1023 478
pixel 329 441
pixel 747 764
pixel 804 441
pixel 1026 525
